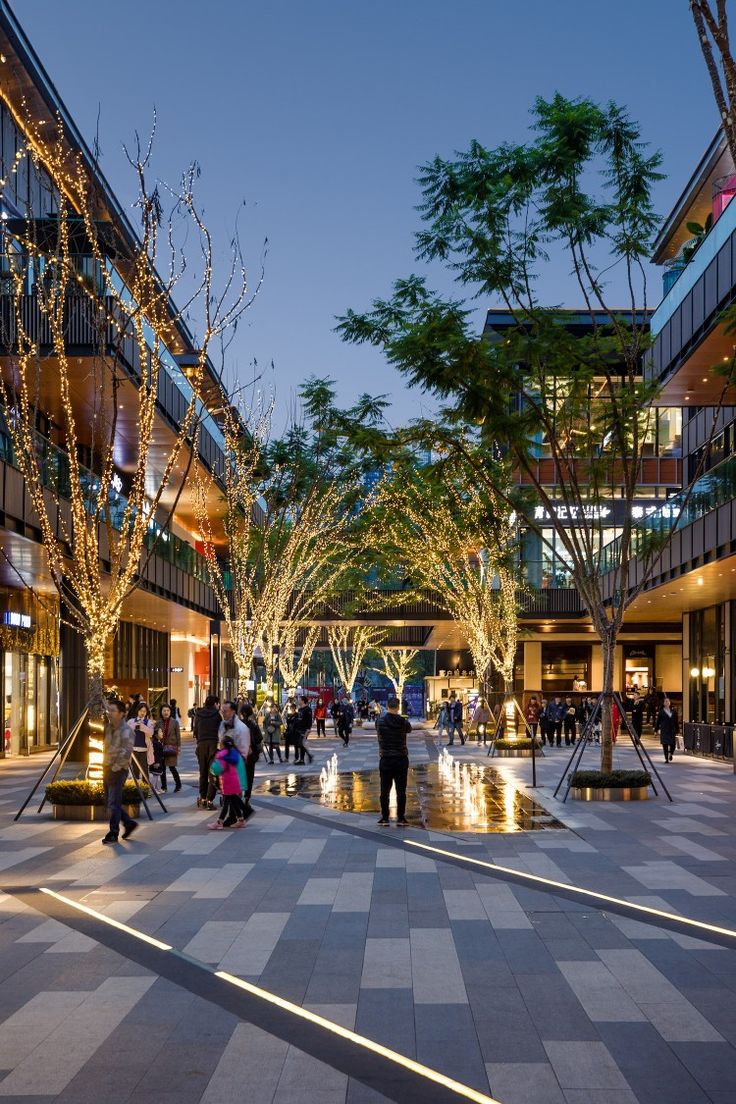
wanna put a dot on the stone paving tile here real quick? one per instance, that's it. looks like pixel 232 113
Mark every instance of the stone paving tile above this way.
pixel 516 979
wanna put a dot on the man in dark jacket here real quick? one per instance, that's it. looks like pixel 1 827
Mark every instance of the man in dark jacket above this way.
pixel 206 726
pixel 637 715
pixel 456 720
pixel 556 715
pixel 393 764
pixel 303 724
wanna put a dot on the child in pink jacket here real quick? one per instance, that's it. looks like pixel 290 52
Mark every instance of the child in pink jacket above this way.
pixel 229 768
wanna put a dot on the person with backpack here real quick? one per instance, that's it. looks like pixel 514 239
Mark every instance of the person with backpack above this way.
pixel 227 767
pixel 303 725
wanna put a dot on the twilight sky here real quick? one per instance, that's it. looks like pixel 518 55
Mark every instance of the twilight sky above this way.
pixel 317 113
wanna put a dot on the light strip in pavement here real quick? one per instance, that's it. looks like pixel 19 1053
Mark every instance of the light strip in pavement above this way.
pixel 456 1087
pixel 568 887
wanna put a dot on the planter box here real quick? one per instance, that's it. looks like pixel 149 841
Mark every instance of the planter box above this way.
pixel 516 753
pixel 610 793
pixel 90 812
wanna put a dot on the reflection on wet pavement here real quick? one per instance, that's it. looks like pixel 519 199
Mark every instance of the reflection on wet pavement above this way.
pixel 448 795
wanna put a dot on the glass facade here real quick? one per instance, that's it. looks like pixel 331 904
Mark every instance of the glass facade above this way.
pixel 707 665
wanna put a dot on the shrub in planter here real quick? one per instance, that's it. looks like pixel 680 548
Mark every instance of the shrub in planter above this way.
pixel 523 744
pixel 80 792
pixel 615 780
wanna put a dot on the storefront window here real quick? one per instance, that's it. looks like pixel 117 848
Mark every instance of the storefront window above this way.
pixel 707 659
pixel 639 667
pixel 565 668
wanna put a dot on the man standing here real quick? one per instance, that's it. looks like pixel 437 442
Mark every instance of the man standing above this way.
pixel 393 763
pixel 556 713
pixel 205 727
pixel 118 748
pixel 456 720
pixel 303 724
pixel 570 722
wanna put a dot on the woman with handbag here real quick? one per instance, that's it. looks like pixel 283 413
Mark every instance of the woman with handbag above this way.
pixel 143 756
pixel 169 733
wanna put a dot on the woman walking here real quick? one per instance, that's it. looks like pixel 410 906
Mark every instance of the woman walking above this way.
pixel 667 725
pixel 169 733
pixel 320 716
pixel 143 755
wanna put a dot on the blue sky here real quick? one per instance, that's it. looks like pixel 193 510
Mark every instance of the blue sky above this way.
pixel 317 113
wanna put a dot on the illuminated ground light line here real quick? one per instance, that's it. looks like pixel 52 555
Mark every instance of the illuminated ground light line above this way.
pixel 360 1040
pixel 266 995
pixel 108 920
pixel 568 887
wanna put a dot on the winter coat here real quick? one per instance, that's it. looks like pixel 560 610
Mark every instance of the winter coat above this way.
pixel 532 712
pixel 456 712
pixel 171 737
pixel 320 712
pixel 225 767
pixel 303 720
pixel 392 731
pixel 206 724
pixel 667 726
pixel 556 713
pixel 273 725
pixel 118 745
pixel 239 732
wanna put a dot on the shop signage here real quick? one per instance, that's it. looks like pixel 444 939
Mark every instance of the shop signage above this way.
pixel 176 670
pixel 16 620
pixel 613 513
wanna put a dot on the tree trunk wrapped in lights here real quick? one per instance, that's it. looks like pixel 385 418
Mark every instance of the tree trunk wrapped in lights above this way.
pixel 118 296
pixel 349 646
pixel 285 543
pixel 458 542
pixel 398 665
pixel 297 643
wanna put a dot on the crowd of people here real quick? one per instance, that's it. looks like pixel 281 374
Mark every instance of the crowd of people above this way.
pixel 561 718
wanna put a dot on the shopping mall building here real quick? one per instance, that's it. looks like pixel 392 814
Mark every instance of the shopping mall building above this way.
pixel 165 642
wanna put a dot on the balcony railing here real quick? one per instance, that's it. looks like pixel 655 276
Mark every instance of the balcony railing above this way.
pixel 707 494
pixel 717 237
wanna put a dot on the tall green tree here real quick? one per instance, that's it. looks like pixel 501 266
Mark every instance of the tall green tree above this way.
pixel 577 196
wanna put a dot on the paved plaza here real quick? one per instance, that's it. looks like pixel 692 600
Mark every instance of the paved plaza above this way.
pixel 514 988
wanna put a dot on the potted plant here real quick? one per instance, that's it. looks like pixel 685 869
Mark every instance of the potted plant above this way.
pixel 79 799
pixel 521 748
pixel 617 785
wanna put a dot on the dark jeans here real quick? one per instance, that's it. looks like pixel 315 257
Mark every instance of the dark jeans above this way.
pixel 232 809
pixel 174 775
pixel 569 730
pixel 452 729
pixel 274 745
pixel 250 773
pixel 301 750
pixel 113 783
pixel 555 733
pixel 343 732
pixel 291 740
pixel 394 773
pixel 321 730
pixel 206 752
